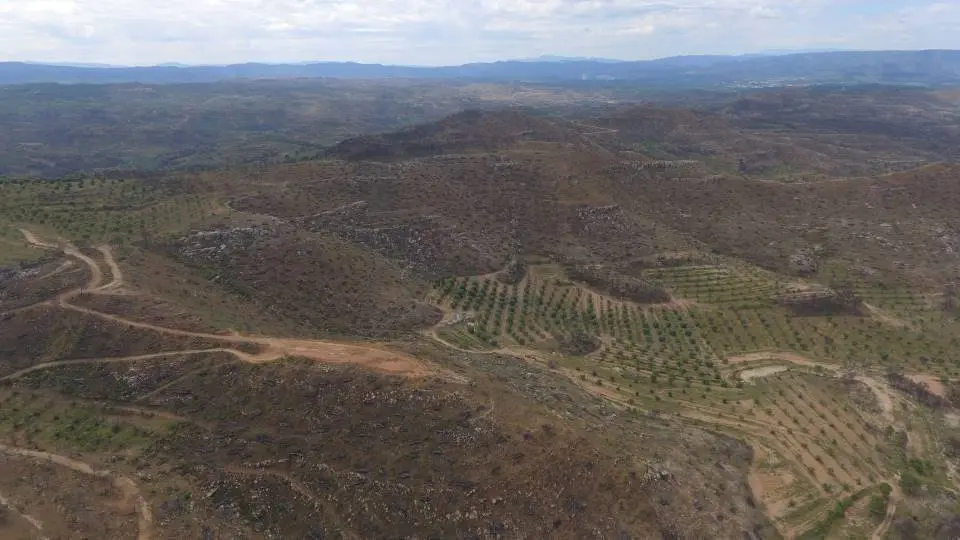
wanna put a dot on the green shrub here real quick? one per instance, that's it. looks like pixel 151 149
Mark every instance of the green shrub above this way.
pixel 910 483
pixel 878 506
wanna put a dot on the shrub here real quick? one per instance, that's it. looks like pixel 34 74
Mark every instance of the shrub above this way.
pixel 878 506
pixel 910 483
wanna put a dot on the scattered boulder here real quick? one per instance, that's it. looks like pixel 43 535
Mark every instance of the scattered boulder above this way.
pixel 804 262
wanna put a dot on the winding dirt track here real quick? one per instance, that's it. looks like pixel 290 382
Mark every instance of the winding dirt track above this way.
pixel 33 240
pixel 115 273
pixel 274 348
pixel 789 357
pixel 34 522
pixel 120 360
pixel 895 495
pixel 322 351
pixel 126 485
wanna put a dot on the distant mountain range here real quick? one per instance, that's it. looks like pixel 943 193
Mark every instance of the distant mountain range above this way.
pixel 922 68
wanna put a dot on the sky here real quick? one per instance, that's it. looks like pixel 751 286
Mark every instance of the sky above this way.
pixel 447 32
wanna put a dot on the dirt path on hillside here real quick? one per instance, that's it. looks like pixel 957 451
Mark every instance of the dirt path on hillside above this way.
pixel 432 334
pixel 886 399
pixel 96 274
pixel 885 317
pixel 34 522
pixel 754 432
pixel 882 529
pixel 884 396
pixel 145 397
pixel 63 267
pixel 748 375
pixel 126 485
pixel 33 240
pixel 115 360
pixel 274 348
pixel 370 356
pixel 117 280
pixel 152 413
pixel 789 357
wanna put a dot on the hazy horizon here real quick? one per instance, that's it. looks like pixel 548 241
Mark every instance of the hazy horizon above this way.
pixel 541 58
pixel 444 32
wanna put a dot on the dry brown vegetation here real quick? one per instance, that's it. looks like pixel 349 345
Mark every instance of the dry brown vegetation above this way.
pixel 643 323
pixel 47 334
pixel 264 451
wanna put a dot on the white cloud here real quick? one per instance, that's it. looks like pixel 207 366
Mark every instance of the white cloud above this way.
pixel 454 31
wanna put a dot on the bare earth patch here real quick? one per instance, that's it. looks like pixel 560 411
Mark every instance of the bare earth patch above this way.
pixel 758 373
pixel 793 358
pixel 933 384
pixel 885 318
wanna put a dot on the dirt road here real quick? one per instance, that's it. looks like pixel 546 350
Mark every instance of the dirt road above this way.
pixel 33 240
pixel 117 360
pixel 884 396
pixel 96 274
pixel 34 522
pixel 116 274
pixel 126 485
pixel 274 348
pixel 895 495
pixel 789 357
pixel 885 317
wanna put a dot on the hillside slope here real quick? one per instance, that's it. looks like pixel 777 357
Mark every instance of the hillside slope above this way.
pixel 499 324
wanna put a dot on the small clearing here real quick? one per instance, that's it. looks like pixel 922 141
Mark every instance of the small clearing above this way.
pixel 884 397
pixel 760 372
pixel 792 358
pixel 933 384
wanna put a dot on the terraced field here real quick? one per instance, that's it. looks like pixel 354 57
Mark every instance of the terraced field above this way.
pixel 808 392
pixel 98 209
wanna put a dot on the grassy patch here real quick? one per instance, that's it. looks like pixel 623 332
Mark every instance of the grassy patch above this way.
pixel 72 425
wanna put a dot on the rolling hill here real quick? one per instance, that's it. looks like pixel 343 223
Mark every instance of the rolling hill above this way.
pixel 737 319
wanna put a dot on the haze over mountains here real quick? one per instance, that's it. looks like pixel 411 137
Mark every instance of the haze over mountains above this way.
pixel 925 68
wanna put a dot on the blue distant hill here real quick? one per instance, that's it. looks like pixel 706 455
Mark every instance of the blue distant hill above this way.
pixel 927 68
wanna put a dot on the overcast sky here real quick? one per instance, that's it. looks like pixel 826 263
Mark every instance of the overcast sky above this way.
pixel 433 32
